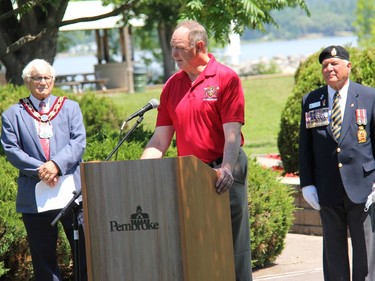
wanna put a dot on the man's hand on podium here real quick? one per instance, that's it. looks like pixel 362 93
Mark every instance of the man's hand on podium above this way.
pixel 225 179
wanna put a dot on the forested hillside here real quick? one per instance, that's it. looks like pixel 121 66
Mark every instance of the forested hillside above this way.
pixel 328 18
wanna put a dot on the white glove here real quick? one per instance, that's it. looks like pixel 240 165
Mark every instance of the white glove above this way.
pixel 370 199
pixel 311 196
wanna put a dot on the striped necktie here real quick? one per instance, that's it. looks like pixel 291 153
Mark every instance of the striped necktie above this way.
pixel 336 116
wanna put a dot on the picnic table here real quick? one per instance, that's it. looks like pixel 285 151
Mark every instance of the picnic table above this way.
pixel 77 81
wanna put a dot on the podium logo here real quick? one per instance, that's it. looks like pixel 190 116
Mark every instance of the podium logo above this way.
pixel 138 221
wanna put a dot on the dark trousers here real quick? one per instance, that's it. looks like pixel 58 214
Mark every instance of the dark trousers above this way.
pixel 42 238
pixel 239 209
pixel 336 221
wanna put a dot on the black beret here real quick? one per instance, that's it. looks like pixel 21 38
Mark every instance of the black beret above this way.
pixel 333 52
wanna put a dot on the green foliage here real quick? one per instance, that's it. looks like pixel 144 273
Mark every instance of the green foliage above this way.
pixel 100 113
pixel 218 16
pixel 271 206
pixel 10 94
pixel 328 18
pixel 79 37
pixel 365 23
pixel 101 145
pixel 307 78
pixel 12 232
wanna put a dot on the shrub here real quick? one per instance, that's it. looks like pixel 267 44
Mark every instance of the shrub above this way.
pixel 308 77
pixel 100 113
pixel 10 94
pixel 101 145
pixel 15 259
pixel 271 205
pixel 270 202
pixel 12 238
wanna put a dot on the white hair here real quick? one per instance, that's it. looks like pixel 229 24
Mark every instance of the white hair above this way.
pixel 34 65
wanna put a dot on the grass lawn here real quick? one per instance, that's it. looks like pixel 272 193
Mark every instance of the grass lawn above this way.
pixel 265 99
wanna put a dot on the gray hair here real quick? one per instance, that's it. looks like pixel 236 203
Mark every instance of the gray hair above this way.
pixel 197 32
pixel 34 65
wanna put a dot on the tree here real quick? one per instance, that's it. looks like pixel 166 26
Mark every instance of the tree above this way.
pixel 217 16
pixel 365 23
pixel 29 30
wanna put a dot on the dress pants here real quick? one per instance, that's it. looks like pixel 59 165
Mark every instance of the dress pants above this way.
pixel 239 208
pixel 42 238
pixel 336 221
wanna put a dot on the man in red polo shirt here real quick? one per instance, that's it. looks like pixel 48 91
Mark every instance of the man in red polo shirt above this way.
pixel 203 104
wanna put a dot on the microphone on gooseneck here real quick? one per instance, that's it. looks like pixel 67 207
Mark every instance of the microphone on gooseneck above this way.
pixel 154 103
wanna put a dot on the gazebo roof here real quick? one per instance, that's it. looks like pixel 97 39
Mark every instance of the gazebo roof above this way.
pixel 79 9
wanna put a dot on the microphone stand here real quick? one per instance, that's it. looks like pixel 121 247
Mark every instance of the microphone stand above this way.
pixel 72 204
pixel 66 209
pixel 140 119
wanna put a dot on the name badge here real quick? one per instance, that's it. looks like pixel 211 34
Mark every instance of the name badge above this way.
pixel 317 118
pixel 314 105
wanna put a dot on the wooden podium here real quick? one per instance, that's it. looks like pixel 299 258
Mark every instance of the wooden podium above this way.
pixel 156 220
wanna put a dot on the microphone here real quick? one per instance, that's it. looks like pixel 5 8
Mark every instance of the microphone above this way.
pixel 154 103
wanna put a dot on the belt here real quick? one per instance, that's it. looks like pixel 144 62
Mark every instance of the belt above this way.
pixel 215 163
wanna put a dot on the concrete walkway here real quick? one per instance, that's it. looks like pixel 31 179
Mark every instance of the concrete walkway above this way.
pixel 300 260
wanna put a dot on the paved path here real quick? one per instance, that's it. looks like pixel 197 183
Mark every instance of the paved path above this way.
pixel 301 260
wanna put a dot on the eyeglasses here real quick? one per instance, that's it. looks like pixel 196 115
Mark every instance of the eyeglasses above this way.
pixel 40 78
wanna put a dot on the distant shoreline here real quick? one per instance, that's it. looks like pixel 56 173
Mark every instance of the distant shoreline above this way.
pixel 305 37
pixel 249 53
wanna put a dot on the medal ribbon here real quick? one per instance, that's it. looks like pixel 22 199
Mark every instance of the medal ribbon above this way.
pixel 55 109
pixel 361 116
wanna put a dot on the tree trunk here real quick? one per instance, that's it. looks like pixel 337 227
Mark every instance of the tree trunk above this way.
pixel 29 36
pixel 165 34
pixel 43 48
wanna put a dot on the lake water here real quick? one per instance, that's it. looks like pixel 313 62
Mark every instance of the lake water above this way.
pixel 301 47
pixel 246 52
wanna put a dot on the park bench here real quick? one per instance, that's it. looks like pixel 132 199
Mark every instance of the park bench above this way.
pixel 76 82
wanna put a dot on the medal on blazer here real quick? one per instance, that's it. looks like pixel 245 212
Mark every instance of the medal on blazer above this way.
pixel 317 118
pixel 45 127
pixel 361 134
pixel 45 130
pixel 361 117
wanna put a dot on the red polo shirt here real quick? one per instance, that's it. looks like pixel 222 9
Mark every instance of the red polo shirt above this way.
pixel 198 110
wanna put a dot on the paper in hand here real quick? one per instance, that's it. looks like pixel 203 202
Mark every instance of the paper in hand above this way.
pixel 57 197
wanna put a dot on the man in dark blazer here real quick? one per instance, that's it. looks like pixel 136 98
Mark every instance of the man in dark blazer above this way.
pixel 46 146
pixel 337 166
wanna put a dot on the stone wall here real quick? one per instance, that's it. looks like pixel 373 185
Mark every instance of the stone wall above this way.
pixel 306 219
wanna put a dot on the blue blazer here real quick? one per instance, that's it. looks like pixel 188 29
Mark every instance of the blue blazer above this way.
pixel 346 165
pixel 23 149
